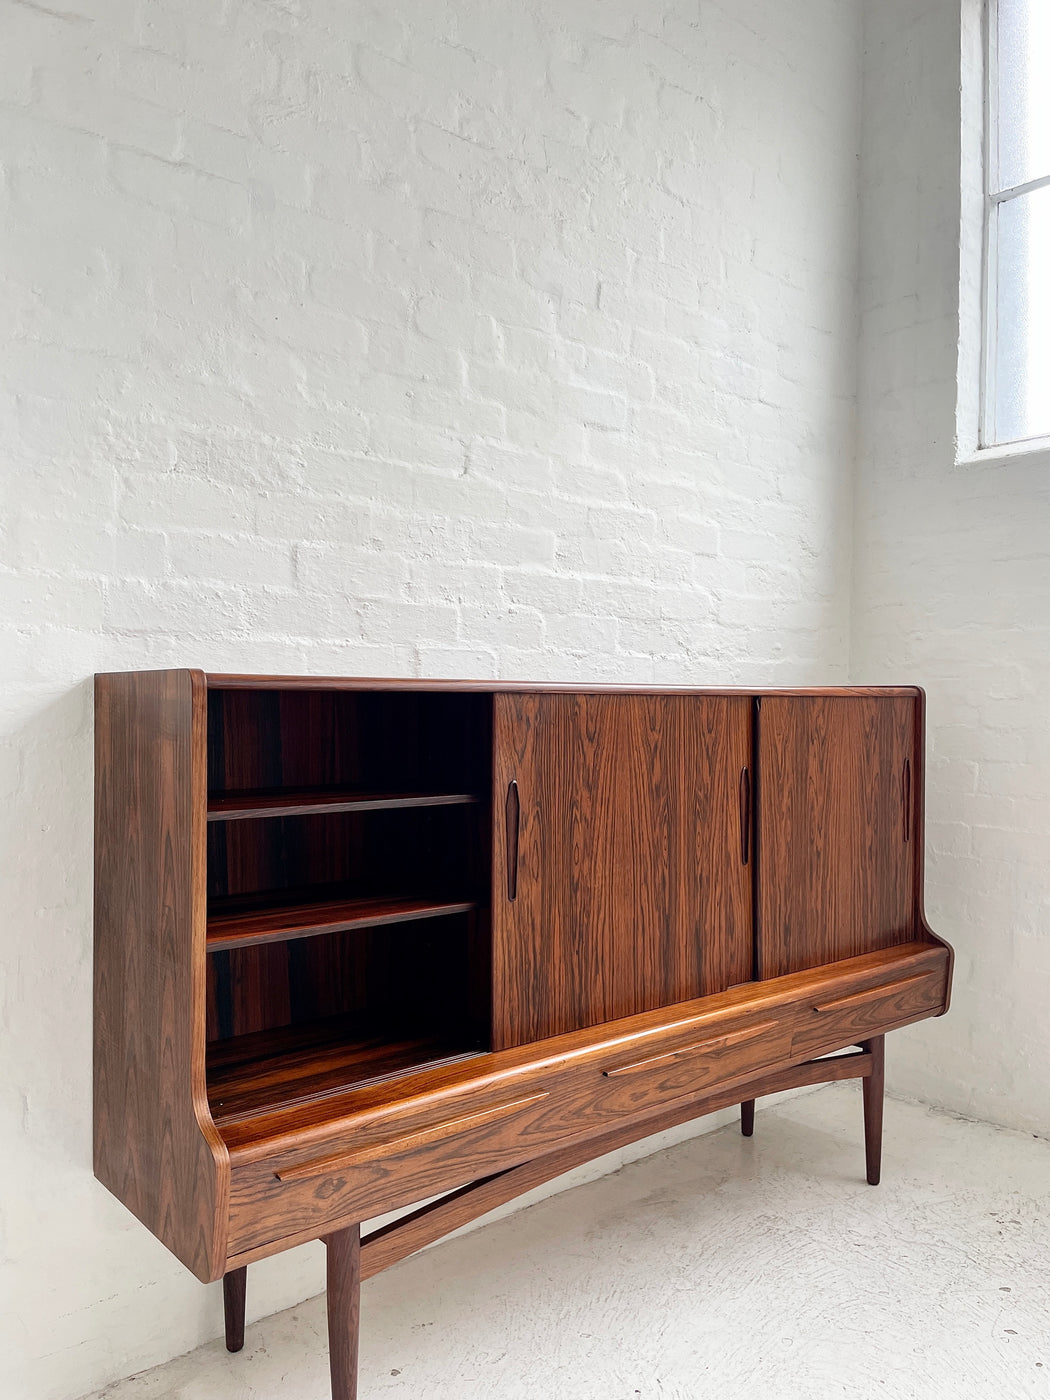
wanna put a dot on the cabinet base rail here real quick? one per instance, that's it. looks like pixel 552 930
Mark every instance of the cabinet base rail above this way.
pixel 353 1258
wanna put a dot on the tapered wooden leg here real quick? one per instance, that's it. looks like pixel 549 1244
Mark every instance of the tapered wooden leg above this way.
pixel 344 1307
pixel 234 1287
pixel 747 1117
pixel 874 1093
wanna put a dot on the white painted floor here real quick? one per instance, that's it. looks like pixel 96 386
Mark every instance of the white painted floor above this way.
pixel 721 1268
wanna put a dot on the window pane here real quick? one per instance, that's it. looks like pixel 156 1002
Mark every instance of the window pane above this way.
pixel 1022 318
pixel 1024 91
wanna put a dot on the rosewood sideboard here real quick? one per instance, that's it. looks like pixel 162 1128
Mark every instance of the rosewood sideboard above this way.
pixel 363 943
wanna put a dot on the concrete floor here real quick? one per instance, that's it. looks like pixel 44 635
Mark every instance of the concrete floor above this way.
pixel 721 1268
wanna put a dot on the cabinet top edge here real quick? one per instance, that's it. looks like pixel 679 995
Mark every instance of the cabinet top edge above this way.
pixel 220 681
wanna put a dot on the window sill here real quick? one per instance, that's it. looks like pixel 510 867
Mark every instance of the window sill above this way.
pixel 1033 451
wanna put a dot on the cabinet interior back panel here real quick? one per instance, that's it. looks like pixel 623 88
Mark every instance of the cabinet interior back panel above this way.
pixel 631 889
pixel 836 806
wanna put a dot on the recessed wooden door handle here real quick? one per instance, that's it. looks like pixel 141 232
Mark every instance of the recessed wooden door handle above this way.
pixel 745 814
pixel 393 1147
pixel 513 820
pixel 906 796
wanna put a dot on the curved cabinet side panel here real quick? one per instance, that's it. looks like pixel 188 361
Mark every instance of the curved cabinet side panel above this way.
pixel 924 930
pixel 155 1146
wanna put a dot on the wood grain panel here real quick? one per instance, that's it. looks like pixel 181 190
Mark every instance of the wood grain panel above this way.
pixel 155 1146
pixel 631 892
pixel 836 857
pixel 434 1133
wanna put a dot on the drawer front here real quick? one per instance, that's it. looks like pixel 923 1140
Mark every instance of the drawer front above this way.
pixel 830 1023
pixel 365 1168
pixel 647 1081
pixel 363 1173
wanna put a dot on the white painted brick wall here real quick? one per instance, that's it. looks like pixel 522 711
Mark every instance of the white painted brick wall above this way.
pixel 415 339
pixel 953 570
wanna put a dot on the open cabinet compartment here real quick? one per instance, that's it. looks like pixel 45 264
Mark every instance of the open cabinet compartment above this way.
pixel 348 890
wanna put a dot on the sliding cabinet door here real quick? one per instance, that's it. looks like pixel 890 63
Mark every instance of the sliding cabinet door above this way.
pixel 836 856
pixel 620 881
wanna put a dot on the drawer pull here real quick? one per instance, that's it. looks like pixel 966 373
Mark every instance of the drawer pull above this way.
pixel 512 815
pixel 702 1047
pixel 393 1147
pixel 859 998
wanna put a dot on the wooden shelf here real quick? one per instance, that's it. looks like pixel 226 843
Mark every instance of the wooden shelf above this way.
pixel 240 923
pixel 284 802
pixel 252 1075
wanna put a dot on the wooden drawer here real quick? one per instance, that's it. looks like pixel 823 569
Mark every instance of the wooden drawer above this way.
pixel 660 1076
pixel 366 1169
pixel 845 1018
pixel 785 1035
pixel 514 1107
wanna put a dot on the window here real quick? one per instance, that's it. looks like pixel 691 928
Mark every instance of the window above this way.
pixel 1017 227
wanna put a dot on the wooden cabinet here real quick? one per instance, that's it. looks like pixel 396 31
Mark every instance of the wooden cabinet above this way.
pixel 363 943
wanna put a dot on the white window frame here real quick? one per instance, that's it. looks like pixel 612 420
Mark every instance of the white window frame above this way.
pixel 994 198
